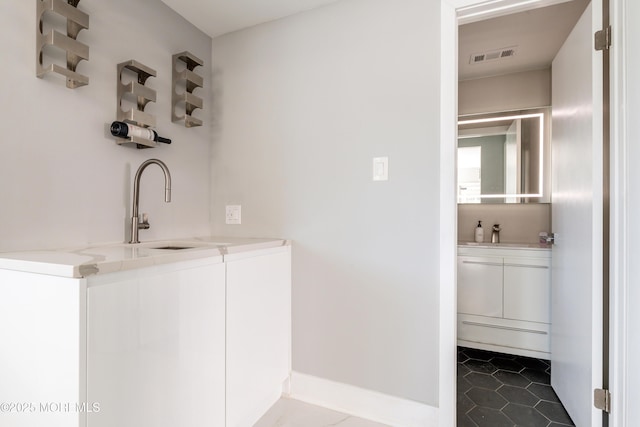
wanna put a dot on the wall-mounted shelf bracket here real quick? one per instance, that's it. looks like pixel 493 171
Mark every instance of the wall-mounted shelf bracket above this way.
pixel 75 51
pixel 185 101
pixel 142 94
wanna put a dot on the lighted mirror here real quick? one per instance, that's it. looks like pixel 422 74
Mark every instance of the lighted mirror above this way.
pixel 501 158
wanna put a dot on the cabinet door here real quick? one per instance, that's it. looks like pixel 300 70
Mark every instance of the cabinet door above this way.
pixel 480 286
pixel 258 332
pixel 156 348
pixel 527 289
pixel 42 358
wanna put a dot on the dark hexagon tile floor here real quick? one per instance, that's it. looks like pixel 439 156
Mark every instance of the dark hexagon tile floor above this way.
pixel 497 389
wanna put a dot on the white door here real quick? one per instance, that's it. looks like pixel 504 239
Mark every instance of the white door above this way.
pixel 576 314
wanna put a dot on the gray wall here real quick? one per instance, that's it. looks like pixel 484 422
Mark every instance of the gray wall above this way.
pixel 64 180
pixel 520 223
pixel 304 104
pixel 492 161
pixel 507 92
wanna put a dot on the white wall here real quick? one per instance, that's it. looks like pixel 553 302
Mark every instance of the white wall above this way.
pixel 304 104
pixel 64 182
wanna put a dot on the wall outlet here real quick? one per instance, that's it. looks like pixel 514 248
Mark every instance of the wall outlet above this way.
pixel 233 214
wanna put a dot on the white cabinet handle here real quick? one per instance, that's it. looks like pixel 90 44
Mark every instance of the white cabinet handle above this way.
pixel 508 328
pixel 526 266
pixel 499 264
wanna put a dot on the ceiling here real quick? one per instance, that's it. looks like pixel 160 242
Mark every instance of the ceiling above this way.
pixel 216 17
pixel 537 35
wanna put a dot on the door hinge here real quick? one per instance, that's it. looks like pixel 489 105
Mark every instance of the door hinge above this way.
pixel 602 400
pixel 603 39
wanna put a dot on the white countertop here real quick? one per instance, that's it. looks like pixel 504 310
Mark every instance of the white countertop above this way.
pixel 538 246
pixel 510 250
pixel 108 258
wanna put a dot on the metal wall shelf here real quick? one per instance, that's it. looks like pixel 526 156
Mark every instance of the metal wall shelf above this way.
pixel 75 51
pixel 191 81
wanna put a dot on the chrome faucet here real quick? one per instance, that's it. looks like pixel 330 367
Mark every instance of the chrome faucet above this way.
pixel 144 224
pixel 495 235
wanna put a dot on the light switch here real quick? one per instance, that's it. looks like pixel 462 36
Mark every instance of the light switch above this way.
pixel 380 168
pixel 233 214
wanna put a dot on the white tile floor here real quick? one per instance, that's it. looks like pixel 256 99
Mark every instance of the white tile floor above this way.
pixel 293 413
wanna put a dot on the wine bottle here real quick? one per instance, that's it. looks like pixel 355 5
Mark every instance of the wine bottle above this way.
pixel 125 130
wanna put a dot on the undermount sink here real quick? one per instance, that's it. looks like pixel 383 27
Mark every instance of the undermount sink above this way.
pixel 493 244
pixel 178 245
pixel 174 248
pixel 174 245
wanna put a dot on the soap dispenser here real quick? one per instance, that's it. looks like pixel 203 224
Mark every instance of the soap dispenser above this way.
pixel 479 233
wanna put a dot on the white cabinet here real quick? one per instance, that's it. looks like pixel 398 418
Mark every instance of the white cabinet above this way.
pixel 156 346
pixel 258 332
pixel 199 343
pixel 195 342
pixel 504 300
pixel 42 360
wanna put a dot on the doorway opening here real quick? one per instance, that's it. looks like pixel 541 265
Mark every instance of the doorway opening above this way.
pixel 504 321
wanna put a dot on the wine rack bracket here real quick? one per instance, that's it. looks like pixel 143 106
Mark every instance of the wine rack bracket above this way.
pixel 143 95
pixel 191 81
pixel 75 50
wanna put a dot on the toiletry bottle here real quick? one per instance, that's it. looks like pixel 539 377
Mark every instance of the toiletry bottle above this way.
pixel 479 233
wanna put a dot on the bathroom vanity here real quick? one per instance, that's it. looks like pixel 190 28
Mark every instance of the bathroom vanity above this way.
pixel 192 332
pixel 504 295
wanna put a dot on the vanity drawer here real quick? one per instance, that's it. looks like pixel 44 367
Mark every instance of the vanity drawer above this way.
pixel 504 335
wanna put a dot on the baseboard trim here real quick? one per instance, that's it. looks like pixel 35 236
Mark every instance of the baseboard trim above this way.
pixel 359 402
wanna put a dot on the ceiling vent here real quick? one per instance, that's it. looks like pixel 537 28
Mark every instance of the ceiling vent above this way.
pixel 493 55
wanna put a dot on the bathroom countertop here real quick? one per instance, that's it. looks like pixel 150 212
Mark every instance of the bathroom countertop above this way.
pixel 112 257
pixel 529 246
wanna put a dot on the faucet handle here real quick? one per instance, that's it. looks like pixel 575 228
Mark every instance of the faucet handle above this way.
pixel 144 224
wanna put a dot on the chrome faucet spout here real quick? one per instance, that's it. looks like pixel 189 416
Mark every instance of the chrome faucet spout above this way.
pixel 495 235
pixel 135 224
